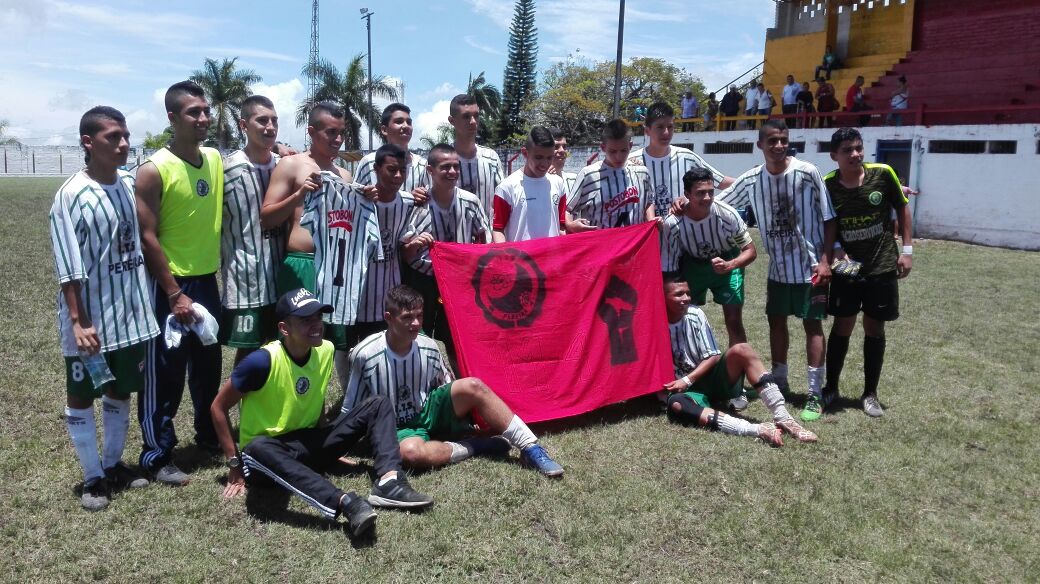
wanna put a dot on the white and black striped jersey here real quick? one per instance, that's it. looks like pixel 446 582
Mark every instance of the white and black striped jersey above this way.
pixel 692 341
pixel 790 208
pixel 249 254
pixel 97 241
pixel 397 223
pixel 345 230
pixel 721 231
pixel 611 197
pixel 480 175
pixel 666 174
pixel 365 173
pixel 462 221
pixel 406 380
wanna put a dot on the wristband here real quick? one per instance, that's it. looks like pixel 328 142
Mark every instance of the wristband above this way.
pixel 908 250
pixel 686 380
pixel 175 295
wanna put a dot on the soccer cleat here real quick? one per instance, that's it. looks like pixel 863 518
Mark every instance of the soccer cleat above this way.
pixel 537 458
pixel 795 429
pixel 397 493
pixel 95 496
pixel 872 407
pixel 770 434
pixel 171 475
pixel 360 515
pixel 496 446
pixel 739 403
pixel 813 409
pixel 122 477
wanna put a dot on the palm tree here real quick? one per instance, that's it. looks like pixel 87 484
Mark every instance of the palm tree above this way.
pixel 445 135
pixel 225 88
pixel 349 90
pixel 489 100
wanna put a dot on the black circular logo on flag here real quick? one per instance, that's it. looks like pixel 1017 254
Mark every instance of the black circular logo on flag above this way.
pixel 509 288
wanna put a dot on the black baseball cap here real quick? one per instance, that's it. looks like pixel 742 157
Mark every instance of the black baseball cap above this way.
pixel 300 302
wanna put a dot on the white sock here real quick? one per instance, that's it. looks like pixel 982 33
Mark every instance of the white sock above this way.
pixel 518 434
pixel 459 452
pixel 774 401
pixel 815 375
pixel 83 431
pixel 780 371
pixel 115 417
pixel 736 426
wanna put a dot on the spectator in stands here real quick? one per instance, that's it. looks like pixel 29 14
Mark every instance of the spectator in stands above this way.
pixel 804 103
pixel 730 106
pixel 689 110
pixel 830 61
pixel 825 101
pixel 639 114
pixel 711 109
pixel 766 101
pixel 790 98
pixel 900 101
pixel 856 100
pixel 751 104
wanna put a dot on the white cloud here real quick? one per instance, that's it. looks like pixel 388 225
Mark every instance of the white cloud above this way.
pixel 248 53
pixel 426 123
pixel 499 11
pixel 473 42
pixel 443 90
pixel 150 26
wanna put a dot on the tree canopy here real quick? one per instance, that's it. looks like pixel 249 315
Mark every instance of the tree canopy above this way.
pixel 226 87
pixel 518 85
pixel 350 90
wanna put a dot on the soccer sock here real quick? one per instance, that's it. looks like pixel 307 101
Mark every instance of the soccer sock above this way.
pixel 518 434
pixel 459 452
pixel 779 371
pixel 83 431
pixel 873 359
pixel 736 426
pixel 815 376
pixel 115 417
pixel 774 401
pixel 837 348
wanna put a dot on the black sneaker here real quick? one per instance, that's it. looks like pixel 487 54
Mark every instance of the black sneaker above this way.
pixel 360 515
pixel 95 496
pixel 122 477
pixel 397 493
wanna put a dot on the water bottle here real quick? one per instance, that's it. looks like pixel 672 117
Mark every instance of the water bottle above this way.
pixel 98 369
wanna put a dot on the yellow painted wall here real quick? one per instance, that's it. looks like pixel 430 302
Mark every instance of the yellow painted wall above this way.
pixel 882 30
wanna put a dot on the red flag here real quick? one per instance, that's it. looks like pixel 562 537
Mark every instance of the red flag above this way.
pixel 563 325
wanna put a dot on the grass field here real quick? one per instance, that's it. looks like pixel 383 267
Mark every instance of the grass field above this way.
pixel 945 487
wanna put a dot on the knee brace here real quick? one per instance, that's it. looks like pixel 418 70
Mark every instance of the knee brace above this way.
pixel 689 410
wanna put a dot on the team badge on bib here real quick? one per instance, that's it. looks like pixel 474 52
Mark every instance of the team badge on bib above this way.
pixel 202 188
pixel 302 385
pixel 874 198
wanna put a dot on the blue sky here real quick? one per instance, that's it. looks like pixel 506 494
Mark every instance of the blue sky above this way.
pixel 61 57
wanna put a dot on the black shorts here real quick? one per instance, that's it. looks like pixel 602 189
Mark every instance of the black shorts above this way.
pixel 877 296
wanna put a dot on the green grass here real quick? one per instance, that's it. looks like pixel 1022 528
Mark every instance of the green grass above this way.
pixel 945 487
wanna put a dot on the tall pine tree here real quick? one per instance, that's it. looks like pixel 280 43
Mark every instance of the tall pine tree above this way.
pixel 519 80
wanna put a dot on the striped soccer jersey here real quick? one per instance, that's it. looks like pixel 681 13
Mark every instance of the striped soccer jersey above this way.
pixel 397 222
pixel 97 241
pixel 666 174
pixel 345 231
pixel 481 175
pixel 610 197
pixel 249 254
pixel 791 208
pixel 692 341
pixel 462 221
pixel 365 173
pixel 721 231
pixel 406 380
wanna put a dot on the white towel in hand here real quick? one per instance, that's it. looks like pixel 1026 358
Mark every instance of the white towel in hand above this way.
pixel 204 325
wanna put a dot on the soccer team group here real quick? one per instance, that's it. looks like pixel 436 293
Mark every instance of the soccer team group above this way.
pixel 321 270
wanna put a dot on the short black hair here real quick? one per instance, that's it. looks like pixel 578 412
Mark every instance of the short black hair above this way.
pixel 389 110
pixel 401 298
pixel 696 175
pixel 657 111
pixel 557 133
pixel 844 135
pixel 673 278
pixel 540 136
pixel 771 124
pixel 252 102
pixel 616 129
pixel 325 107
pixel 390 151
pixel 178 90
pixel 458 101
pixel 438 150
pixel 90 123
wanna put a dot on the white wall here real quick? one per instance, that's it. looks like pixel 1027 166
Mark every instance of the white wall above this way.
pixel 991 199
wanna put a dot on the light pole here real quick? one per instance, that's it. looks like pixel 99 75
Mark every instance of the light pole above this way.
pixel 367 17
pixel 617 63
